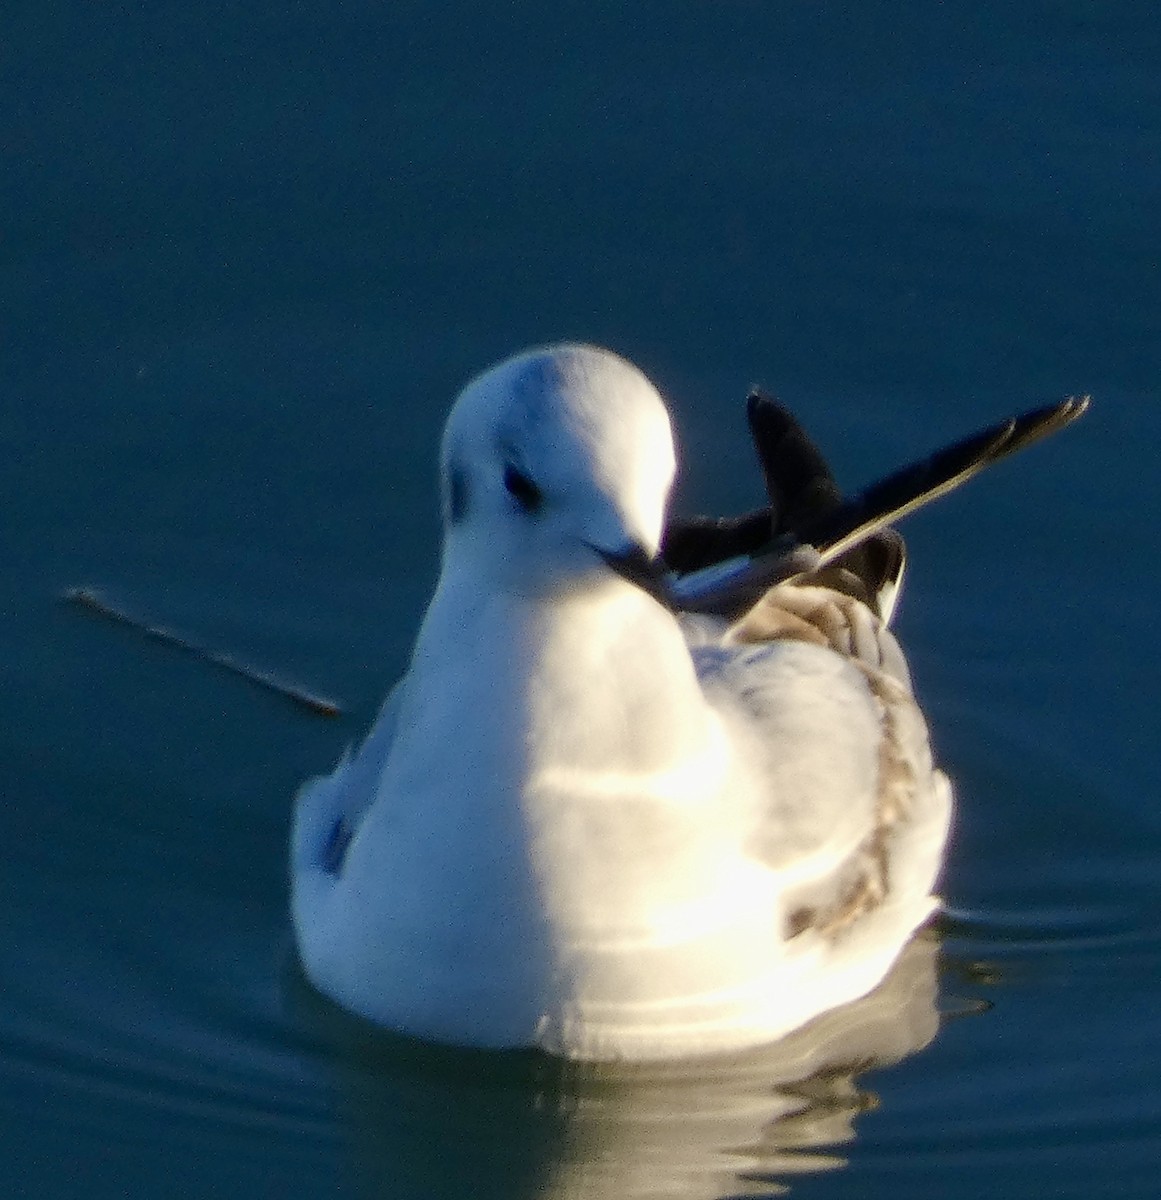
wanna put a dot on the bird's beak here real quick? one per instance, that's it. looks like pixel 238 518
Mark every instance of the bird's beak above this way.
pixel 642 569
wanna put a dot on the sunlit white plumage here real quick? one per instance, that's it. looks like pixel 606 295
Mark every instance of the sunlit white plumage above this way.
pixel 585 824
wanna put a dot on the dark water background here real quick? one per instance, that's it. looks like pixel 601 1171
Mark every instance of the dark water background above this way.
pixel 249 255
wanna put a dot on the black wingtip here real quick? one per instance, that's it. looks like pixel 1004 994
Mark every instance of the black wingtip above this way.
pixel 807 510
pixel 916 485
pixel 798 481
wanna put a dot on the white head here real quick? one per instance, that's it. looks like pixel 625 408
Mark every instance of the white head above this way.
pixel 556 465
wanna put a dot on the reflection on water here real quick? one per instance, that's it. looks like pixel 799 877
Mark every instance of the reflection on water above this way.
pixel 439 1122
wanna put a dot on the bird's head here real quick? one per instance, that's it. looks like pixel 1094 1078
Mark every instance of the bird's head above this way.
pixel 556 467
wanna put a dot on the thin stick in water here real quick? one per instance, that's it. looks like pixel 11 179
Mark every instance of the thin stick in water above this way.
pixel 94 602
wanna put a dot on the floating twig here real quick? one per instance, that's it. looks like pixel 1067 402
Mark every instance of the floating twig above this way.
pixel 94 602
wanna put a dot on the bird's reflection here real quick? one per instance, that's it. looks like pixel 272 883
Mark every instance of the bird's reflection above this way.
pixel 435 1122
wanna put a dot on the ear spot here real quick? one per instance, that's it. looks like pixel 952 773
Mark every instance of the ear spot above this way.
pixel 522 489
pixel 457 494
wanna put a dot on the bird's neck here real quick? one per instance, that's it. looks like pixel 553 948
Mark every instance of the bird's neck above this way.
pixel 585 677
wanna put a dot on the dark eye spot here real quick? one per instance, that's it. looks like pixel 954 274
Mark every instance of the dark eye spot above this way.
pixel 457 495
pixel 522 489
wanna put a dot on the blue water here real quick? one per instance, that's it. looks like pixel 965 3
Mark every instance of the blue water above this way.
pixel 249 255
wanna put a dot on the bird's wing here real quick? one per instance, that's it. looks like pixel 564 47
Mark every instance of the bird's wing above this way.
pixel 727 588
pixel 848 784
pixel 328 808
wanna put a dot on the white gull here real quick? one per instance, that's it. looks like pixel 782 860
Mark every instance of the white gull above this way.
pixel 584 823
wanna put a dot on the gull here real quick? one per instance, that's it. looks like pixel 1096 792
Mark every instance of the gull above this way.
pixel 626 805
